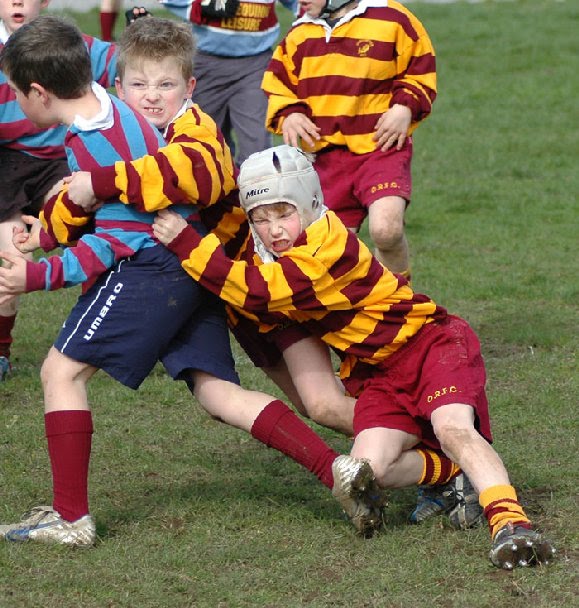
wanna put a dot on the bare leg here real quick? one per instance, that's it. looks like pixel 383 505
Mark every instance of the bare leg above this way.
pixel 394 462
pixel 454 426
pixel 281 377
pixel 64 381
pixel 229 402
pixel 322 394
pixel 386 225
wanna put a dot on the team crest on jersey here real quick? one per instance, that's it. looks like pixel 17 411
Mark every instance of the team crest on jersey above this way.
pixel 364 47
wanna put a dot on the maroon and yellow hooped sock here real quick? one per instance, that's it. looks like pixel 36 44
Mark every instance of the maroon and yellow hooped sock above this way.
pixel 437 468
pixel 501 506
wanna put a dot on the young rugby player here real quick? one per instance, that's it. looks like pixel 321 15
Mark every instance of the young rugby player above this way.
pixel 417 371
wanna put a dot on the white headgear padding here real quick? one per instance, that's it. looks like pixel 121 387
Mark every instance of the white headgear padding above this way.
pixel 282 174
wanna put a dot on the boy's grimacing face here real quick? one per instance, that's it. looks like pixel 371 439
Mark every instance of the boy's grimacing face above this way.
pixel 277 226
pixel 15 13
pixel 155 89
pixel 312 7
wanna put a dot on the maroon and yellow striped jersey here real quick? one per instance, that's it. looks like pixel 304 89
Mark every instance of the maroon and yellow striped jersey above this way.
pixel 345 78
pixel 329 281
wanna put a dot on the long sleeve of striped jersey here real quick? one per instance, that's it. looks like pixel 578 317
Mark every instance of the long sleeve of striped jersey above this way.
pixel 329 281
pixel 195 167
pixel 345 78
pixel 63 222
pixel 103 59
pixel 85 262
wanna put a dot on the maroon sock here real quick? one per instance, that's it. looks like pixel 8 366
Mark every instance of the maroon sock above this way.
pixel 69 435
pixel 278 427
pixel 6 326
pixel 108 21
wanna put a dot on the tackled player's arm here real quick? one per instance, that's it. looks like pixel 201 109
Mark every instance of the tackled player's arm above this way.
pixel 63 222
pixel 195 167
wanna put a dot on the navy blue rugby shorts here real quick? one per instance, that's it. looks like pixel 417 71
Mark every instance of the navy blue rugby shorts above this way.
pixel 146 309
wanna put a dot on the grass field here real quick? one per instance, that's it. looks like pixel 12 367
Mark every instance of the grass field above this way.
pixel 191 513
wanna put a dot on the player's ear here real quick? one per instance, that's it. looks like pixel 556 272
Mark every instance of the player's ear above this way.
pixel 190 87
pixel 38 91
pixel 119 88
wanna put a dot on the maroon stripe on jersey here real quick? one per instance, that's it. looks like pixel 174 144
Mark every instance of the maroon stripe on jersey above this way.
pixel 234 245
pixel 213 281
pixel 384 333
pixel 116 137
pixel 358 290
pixel 425 101
pixel 127 226
pixel 332 322
pixel 212 215
pixel 170 133
pixel 425 64
pixel 349 258
pixel 120 249
pixel 258 295
pixel 134 192
pixel 395 16
pixel 203 176
pixel 348 47
pixel 279 71
pixel 342 85
pixel 356 125
pixel 304 296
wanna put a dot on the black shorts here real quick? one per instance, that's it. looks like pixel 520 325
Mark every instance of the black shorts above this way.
pixel 26 180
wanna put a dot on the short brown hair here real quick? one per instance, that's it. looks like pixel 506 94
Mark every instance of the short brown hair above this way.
pixel 155 38
pixel 50 51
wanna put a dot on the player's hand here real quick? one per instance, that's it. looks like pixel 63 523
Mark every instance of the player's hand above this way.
pixel 27 241
pixel 12 276
pixel 298 126
pixel 392 127
pixel 80 191
pixel 136 13
pixel 168 225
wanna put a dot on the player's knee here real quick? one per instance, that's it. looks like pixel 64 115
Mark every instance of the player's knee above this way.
pixel 319 409
pixel 55 370
pixel 48 371
pixel 387 236
pixel 454 438
pixel 386 472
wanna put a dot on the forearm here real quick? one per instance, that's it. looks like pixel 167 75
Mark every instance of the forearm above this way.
pixel 179 173
pixel 227 220
pixel 204 259
pixel 63 221
pixel 271 291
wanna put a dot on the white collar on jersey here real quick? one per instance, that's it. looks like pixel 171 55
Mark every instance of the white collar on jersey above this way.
pixel 4 33
pixel 104 119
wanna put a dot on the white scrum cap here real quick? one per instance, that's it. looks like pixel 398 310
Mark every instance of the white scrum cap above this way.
pixel 281 174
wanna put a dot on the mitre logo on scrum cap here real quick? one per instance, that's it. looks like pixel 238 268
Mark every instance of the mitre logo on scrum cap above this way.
pixel 256 192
